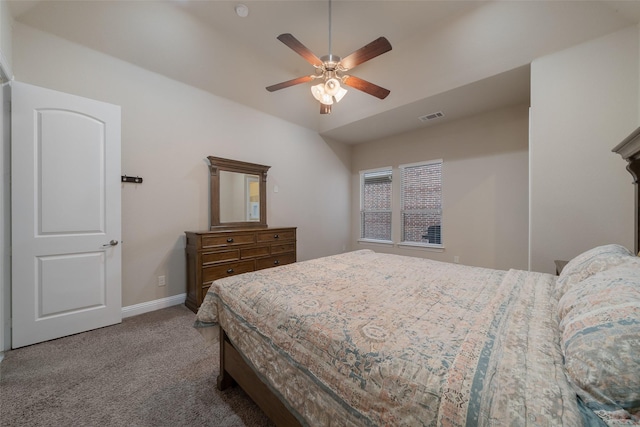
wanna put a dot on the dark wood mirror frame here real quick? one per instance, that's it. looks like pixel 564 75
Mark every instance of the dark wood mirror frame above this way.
pixel 217 164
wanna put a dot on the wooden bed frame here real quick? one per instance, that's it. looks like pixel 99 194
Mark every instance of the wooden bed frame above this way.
pixel 234 369
pixel 237 371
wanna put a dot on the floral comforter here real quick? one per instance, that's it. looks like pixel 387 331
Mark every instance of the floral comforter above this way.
pixel 369 339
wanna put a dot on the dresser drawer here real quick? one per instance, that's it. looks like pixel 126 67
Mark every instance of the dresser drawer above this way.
pixel 215 272
pixel 254 252
pixel 275 236
pixel 228 240
pixel 220 256
pixel 280 249
pixel 274 261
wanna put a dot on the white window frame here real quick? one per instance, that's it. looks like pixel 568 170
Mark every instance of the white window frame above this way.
pixel 368 240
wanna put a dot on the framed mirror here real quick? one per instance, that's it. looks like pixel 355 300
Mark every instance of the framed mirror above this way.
pixel 238 193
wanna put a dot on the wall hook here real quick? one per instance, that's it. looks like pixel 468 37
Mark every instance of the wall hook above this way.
pixel 134 179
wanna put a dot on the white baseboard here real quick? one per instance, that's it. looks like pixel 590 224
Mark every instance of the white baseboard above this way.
pixel 145 307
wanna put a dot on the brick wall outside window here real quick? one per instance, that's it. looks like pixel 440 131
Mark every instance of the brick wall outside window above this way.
pixel 421 202
pixel 375 215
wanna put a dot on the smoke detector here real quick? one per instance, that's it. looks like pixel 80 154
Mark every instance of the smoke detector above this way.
pixel 242 10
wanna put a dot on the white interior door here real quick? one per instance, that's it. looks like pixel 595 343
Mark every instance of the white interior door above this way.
pixel 65 202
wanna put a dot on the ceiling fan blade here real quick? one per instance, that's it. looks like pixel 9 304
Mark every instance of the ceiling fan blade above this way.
pixel 365 86
pixel 288 83
pixel 300 49
pixel 370 51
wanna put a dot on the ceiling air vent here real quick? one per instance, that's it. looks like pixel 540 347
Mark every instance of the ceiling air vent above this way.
pixel 431 116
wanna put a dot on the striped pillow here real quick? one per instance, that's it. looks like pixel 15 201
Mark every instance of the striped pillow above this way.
pixel 588 263
pixel 600 329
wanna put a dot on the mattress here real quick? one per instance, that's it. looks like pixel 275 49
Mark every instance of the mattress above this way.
pixel 370 339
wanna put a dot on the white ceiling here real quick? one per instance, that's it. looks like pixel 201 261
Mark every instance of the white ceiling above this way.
pixel 206 45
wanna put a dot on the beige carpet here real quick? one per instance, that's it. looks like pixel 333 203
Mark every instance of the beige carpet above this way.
pixel 151 370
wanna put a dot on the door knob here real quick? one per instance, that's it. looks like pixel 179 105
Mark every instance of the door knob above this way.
pixel 111 243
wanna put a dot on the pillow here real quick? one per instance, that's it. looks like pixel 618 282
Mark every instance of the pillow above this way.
pixel 588 263
pixel 600 337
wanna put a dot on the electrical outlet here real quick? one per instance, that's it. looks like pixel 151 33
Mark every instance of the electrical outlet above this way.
pixel 161 281
pixel 456 259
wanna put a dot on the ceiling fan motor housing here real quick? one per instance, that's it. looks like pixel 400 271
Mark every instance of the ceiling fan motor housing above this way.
pixel 330 62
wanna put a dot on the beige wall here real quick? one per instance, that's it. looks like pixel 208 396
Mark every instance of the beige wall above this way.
pixel 584 101
pixel 5 223
pixel 168 129
pixel 6 23
pixel 6 27
pixel 485 180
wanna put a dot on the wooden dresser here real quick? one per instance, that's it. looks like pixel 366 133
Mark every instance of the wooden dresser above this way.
pixel 212 255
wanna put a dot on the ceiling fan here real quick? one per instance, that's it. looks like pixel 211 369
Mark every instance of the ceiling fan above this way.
pixel 330 70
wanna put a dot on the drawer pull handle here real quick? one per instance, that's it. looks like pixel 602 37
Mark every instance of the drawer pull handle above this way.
pixel 230 240
pixel 276 262
pixel 275 236
pixel 230 270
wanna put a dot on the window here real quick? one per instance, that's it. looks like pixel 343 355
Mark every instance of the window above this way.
pixel 421 202
pixel 418 213
pixel 375 204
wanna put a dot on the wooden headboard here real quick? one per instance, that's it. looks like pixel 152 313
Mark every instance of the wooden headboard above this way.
pixel 629 149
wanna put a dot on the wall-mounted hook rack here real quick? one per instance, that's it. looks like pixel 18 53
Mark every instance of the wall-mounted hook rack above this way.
pixel 134 179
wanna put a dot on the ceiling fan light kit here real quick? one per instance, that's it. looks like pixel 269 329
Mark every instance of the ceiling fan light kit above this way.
pixel 331 89
pixel 330 70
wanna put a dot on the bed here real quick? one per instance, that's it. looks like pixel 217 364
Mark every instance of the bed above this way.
pixel 370 339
